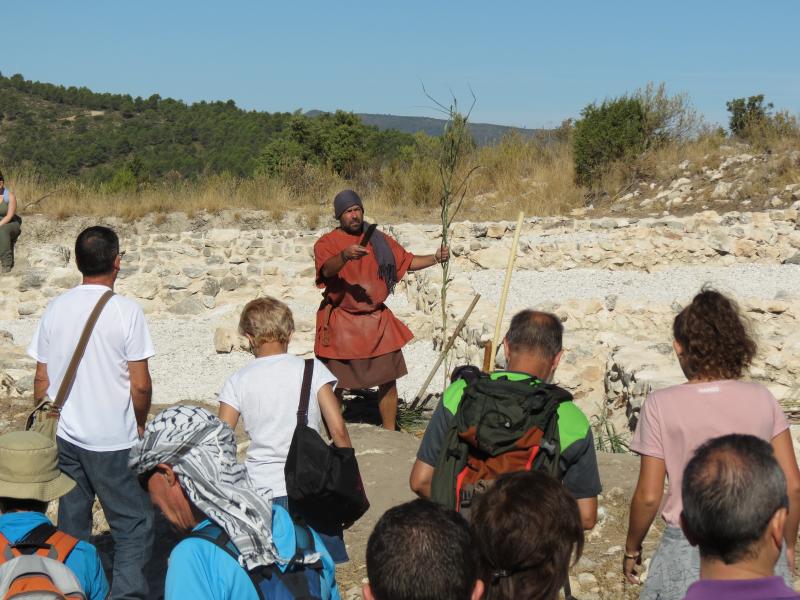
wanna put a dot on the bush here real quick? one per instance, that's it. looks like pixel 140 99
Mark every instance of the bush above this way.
pixel 667 118
pixel 754 122
pixel 123 181
pixel 612 131
pixel 746 114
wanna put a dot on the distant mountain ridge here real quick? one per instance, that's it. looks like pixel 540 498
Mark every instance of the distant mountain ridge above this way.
pixel 483 133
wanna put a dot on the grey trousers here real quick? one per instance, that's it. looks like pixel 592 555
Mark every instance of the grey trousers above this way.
pixel 8 236
pixel 676 566
pixel 126 506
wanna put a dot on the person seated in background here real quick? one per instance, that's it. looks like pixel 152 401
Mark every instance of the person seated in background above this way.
pixel 240 546
pixel 9 226
pixel 29 480
pixel 266 394
pixel 735 508
pixel 421 551
pixel 527 527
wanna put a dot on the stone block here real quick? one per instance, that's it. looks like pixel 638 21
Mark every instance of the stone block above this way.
pixel 225 340
pixel 188 306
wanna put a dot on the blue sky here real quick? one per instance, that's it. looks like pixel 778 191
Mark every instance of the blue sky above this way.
pixel 530 63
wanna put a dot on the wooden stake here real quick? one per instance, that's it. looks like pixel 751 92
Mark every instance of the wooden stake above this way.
pixel 487 357
pixel 506 284
pixel 445 349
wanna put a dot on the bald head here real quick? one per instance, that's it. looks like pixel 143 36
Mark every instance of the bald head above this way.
pixel 732 488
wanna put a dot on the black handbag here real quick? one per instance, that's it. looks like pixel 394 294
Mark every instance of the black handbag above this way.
pixel 322 481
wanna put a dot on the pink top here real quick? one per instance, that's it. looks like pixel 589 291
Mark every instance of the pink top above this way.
pixel 676 420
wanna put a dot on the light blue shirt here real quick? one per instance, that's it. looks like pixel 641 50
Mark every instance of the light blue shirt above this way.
pixel 201 570
pixel 83 560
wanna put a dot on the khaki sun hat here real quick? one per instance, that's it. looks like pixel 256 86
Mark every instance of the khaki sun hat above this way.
pixel 29 468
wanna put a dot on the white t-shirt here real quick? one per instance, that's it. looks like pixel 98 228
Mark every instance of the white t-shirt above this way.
pixel 266 393
pixel 98 414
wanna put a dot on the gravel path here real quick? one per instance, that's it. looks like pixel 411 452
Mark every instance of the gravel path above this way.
pixel 531 288
pixel 186 367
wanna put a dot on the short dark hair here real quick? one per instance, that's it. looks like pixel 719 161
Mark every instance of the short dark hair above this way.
pixel 536 332
pixel 22 504
pixel 421 535
pixel 731 489
pixel 526 527
pixel 95 250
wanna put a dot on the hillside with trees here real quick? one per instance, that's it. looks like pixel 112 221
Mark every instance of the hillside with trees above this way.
pixel 70 131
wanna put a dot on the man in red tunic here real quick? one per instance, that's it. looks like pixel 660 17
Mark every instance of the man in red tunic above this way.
pixel 358 338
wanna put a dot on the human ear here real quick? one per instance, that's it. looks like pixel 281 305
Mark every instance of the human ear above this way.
pixel 687 532
pixel 676 345
pixel 477 591
pixel 168 473
pixel 556 360
pixel 367 592
pixel 775 527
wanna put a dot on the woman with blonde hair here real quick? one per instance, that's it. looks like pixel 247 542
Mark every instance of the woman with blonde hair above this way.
pixel 714 349
pixel 266 394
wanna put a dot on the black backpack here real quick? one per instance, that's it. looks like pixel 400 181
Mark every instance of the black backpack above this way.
pixel 500 426
pixel 298 581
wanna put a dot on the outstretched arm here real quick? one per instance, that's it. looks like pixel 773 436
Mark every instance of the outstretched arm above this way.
pixel 428 260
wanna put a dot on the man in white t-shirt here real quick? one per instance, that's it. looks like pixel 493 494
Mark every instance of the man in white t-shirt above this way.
pixel 106 409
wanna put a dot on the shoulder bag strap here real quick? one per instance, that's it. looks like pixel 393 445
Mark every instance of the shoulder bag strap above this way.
pixel 305 392
pixel 72 369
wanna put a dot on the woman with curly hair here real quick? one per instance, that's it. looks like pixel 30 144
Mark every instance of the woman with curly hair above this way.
pixel 714 349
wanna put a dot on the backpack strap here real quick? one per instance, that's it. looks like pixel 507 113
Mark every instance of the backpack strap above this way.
pixel 217 536
pixel 43 540
pixel 46 540
pixel 469 373
pixel 305 392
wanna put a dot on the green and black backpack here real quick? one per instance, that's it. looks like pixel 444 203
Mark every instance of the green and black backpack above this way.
pixel 500 426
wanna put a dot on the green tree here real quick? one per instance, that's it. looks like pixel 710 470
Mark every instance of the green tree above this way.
pixel 612 131
pixel 747 113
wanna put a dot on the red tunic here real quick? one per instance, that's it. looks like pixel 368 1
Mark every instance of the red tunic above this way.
pixel 358 324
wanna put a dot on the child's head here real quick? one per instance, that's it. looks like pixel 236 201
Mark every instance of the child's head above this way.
pixel 266 320
pixel 711 338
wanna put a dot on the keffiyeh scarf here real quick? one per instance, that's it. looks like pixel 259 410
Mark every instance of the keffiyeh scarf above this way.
pixel 202 450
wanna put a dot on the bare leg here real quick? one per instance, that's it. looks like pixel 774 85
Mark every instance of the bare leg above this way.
pixel 387 404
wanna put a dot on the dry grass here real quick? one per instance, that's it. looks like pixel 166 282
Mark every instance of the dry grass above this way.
pixel 516 174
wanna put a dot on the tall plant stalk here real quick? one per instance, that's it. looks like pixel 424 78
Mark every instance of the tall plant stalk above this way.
pixel 454 172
